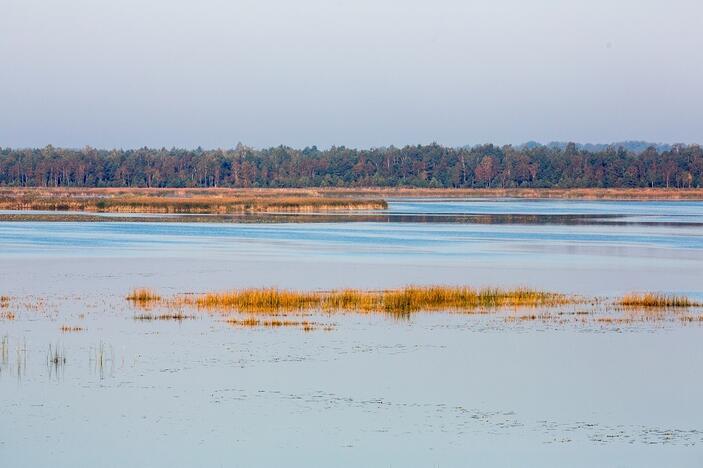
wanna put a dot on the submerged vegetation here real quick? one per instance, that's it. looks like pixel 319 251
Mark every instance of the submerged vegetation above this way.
pixel 655 300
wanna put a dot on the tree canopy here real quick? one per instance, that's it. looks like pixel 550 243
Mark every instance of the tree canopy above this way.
pixel 432 165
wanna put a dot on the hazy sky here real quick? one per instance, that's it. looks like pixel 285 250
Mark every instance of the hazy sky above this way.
pixel 129 73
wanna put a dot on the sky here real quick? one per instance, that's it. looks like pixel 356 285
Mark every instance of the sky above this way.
pixel 359 73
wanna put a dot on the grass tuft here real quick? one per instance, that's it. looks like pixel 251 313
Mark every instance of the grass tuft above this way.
pixel 143 296
pixel 654 300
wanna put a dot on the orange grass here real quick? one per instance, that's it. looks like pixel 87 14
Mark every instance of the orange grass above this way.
pixel 653 300
pixel 143 296
pixel 399 301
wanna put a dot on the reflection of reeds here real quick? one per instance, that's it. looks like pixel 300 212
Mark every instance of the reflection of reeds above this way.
pixel 276 323
pixel 692 318
pixel 55 356
pixel 165 316
pixel 655 300
pixel 4 352
pixel 396 301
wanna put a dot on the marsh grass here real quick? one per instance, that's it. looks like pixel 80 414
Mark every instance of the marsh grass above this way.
pixel 654 300
pixel 70 329
pixel 395 301
pixel 143 296
pixel 197 201
pixel 4 302
pixel 7 315
pixel 259 300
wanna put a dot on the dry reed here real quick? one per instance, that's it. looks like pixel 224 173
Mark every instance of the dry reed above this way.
pixel 654 300
pixel 397 301
pixel 204 201
pixel 143 296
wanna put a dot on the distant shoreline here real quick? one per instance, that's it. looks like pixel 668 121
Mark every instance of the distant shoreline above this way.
pixel 330 198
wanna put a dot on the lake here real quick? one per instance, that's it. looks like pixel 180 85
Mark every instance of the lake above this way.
pixel 573 388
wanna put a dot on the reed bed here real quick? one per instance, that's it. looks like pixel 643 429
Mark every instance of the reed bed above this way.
pixel 654 300
pixel 70 329
pixel 259 300
pixel 143 296
pixel 203 201
pixel 4 302
pixel 396 301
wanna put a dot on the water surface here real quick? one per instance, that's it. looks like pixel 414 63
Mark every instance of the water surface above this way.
pixel 436 389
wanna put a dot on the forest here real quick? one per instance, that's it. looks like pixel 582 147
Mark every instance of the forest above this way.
pixel 433 165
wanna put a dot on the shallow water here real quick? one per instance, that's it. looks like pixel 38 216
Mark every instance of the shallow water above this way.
pixel 437 389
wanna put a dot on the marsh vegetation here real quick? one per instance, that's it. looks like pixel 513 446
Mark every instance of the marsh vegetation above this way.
pixel 181 201
pixel 396 301
pixel 656 300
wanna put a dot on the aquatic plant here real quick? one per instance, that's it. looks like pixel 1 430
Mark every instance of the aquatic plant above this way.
pixel 7 315
pixel 203 201
pixel 69 329
pixel 654 300
pixel 395 301
pixel 259 300
pixel 143 296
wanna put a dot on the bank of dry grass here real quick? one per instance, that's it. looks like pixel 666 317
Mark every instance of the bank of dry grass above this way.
pixel 188 201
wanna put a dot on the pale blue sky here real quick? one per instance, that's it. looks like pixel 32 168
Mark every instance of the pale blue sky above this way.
pixel 359 73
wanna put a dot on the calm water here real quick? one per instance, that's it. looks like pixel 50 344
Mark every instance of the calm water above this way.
pixel 438 389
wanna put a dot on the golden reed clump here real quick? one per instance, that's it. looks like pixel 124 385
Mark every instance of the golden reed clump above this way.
pixel 397 301
pixel 655 300
pixel 143 296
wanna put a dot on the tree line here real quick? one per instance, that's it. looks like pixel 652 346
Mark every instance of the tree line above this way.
pixel 413 166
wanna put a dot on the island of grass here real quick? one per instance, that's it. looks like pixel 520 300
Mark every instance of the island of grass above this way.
pixel 189 201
